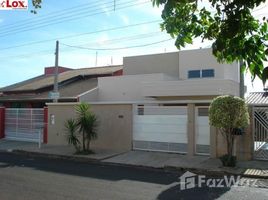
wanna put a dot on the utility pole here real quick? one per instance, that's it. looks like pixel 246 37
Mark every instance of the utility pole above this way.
pixel 96 61
pixel 56 70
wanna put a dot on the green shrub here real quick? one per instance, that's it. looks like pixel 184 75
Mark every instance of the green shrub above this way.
pixel 230 115
pixel 86 124
pixel 71 133
pixel 228 161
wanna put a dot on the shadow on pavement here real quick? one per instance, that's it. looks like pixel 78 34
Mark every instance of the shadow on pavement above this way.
pixel 91 170
pixel 202 193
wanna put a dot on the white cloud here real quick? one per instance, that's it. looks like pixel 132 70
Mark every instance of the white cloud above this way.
pixel 125 19
pixel 102 39
pixel 151 10
pixel 106 11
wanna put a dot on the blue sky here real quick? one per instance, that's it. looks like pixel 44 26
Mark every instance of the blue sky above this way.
pixel 79 20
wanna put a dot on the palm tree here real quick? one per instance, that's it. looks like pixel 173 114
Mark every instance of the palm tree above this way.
pixel 87 123
pixel 91 133
pixel 71 133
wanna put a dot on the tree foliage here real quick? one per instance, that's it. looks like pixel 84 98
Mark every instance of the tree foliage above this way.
pixel 36 5
pixel 228 113
pixel 236 34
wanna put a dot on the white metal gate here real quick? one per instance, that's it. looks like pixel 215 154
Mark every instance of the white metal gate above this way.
pixel 260 128
pixel 24 124
pixel 160 128
pixel 202 131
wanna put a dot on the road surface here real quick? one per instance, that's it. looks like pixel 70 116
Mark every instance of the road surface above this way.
pixel 25 178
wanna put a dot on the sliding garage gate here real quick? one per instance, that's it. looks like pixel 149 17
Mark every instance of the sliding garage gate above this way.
pixel 160 128
pixel 24 124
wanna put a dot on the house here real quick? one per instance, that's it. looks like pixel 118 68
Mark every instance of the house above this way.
pixel 160 103
pixel 258 104
pixel 73 85
pixel 22 112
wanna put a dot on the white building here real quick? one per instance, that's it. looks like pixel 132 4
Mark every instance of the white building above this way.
pixel 189 74
pixel 170 94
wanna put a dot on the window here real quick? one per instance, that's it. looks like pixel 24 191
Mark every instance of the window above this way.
pixel 140 110
pixel 207 73
pixel 194 74
pixel 204 73
pixel 202 111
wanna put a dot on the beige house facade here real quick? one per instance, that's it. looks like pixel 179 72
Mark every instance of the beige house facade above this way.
pixel 160 103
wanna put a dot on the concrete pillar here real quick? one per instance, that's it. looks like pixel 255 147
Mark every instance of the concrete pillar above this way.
pixel 245 142
pixel 45 133
pixel 213 142
pixel 2 122
pixel 191 129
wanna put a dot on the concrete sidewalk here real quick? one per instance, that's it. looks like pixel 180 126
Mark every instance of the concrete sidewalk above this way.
pixel 198 164
pixel 63 151
pixel 170 161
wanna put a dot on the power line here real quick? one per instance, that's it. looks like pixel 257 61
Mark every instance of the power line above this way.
pixel 127 38
pixel 81 34
pixel 50 52
pixel 120 48
pixel 60 20
pixel 57 17
pixel 55 13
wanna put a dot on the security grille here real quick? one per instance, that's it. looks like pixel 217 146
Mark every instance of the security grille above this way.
pixel 260 127
pixel 24 124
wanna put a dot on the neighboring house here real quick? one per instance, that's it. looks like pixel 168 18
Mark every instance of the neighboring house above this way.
pixel 22 112
pixel 73 85
pixel 160 103
pixel 258 104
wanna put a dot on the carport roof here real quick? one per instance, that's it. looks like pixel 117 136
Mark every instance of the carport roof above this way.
pixel 257 98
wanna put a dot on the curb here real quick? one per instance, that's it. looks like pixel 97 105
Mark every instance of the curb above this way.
pixel 216 173
pixel 85 160
pixel 54 156
pixel 170 169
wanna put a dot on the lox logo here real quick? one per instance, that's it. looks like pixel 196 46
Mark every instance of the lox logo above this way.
pixel 13 4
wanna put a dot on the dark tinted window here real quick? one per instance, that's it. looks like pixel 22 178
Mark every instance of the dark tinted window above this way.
pixel 208 73
pixel 194 74
pixel 202 111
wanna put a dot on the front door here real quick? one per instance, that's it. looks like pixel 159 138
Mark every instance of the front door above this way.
pixel 202 131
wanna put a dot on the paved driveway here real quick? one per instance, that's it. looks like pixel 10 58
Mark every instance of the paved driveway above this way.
pixel 10 145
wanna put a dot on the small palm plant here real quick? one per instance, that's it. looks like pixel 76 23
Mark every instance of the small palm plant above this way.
pixel 71 133
pixel 87 125
pixel 91 133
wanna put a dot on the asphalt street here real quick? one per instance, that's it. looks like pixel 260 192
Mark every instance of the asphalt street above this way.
pixel 24 178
